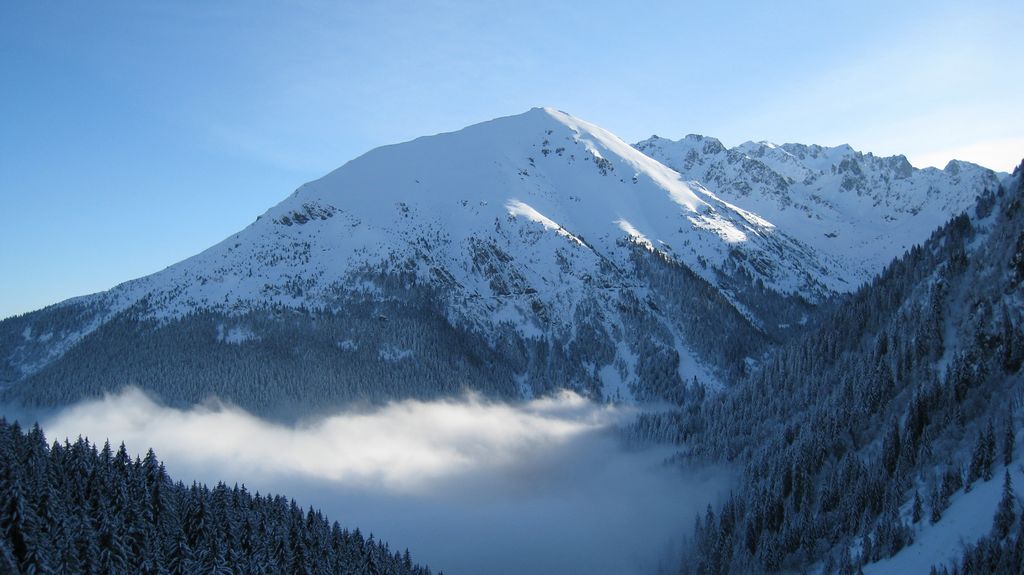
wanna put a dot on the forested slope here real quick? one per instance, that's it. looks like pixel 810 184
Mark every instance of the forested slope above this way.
pixel 904 388
pixel 70 508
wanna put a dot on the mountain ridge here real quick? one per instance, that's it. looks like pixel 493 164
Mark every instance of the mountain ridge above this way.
pixel 539 243
pixel 858 208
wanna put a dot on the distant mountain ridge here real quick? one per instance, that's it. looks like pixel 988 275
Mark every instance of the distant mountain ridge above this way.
pixel 513 257
pixel 860 209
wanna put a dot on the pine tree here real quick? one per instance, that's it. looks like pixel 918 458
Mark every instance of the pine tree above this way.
pixel 918 511
pixel 1009 438
pixel 977 467
pixel 1005 513
pixel 180 559
pixel 891 448
pixel 935 502
pixel 21 527
pixel 8 564
pixel 990 451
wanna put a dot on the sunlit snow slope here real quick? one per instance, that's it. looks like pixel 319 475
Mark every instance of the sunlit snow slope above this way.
pixel 514 256
pixel 856 208
pixel 549 197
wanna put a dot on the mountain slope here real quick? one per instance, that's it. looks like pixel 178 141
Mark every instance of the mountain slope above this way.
pixel 540 184
pixel 513 257
pixel 856 208
pixel 518 255
pixel 897 390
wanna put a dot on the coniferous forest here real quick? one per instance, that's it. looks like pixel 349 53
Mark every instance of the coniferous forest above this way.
pixel 903 396
pixel 75 508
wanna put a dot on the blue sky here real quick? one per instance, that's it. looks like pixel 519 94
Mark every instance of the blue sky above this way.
pixel 135 134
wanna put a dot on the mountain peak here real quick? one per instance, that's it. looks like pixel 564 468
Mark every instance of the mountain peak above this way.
pixel 543 147
pixel 542 182
pixel 533 229
pixel 539 227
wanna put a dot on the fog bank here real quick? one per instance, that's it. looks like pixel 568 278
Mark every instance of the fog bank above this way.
pixel 469 486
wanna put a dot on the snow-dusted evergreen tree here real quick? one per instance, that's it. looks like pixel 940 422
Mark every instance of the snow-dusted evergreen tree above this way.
pixel 918 510
pixel 1007 508
pixel 73 508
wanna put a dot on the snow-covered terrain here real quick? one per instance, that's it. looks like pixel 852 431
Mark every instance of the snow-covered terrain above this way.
pixel 529 204
pixel 538 237
pixel 856 208
pixel 968 518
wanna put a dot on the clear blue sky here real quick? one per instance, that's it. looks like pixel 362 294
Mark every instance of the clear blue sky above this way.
pixel 135 134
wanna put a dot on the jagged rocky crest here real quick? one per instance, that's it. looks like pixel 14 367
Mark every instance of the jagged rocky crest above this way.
pixel 858 209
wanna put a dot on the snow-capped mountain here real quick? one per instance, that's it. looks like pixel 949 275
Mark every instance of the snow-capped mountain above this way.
pixel 856 208
pixel 555 195
pixel 517 255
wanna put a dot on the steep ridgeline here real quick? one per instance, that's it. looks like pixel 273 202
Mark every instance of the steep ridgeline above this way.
pixel 522 254
pixel 856 208
pixel 856 436
pixel 73 508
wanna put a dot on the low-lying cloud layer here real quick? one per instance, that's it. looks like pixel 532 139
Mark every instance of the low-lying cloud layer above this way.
pixel 468 486
pixel 404 446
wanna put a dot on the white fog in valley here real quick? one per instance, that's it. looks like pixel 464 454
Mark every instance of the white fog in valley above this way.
pixel 469 486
